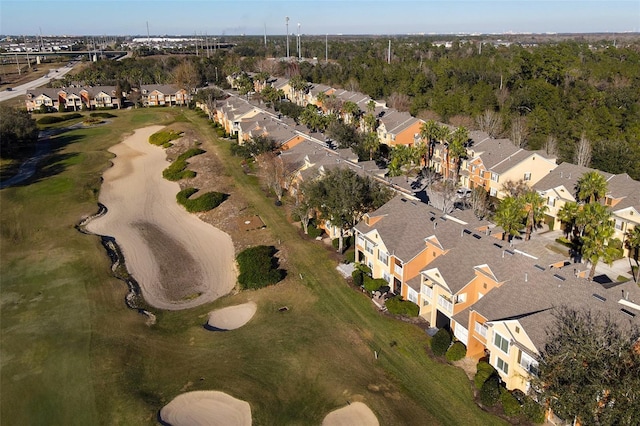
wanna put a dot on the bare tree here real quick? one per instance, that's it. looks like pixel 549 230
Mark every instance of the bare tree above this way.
pixel 399 101
pixel 186 75
pixel 443 195
pixel 490 122
pixel 479 200
pixel 515 188
pixel 519 131
pixel 582 156
pixel 272 172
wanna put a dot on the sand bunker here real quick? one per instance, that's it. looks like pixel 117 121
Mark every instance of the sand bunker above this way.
pixel 231 317
pixel 210 408
pixel 178 260
pixel 355 414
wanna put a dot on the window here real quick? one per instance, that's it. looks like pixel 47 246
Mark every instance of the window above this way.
pixel 619 225
pixel 551 201
pixel 528 363
pixel 461 298
pixel 527 176
pixel 481 329
pixel 502 366
pixel 368 247
pixel 386 276
pixel 360 241
pixel 501 343
pixel 493 192
pixel 495 177
pixel 383 257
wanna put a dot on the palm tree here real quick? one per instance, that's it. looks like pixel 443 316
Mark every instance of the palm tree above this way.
pixel 371 143
pixel 429 131
pixel 457 150
pixel 591 186
pixel 591 216
pixel 568 215
pixel 509 215
pixel 632 242
pixel 595 247
pixel 535 206
pixel 352 110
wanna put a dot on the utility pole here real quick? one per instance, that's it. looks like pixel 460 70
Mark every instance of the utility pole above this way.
pixel 389 53
pixel 326 47
pixel 286 20
pixel 299 43
pixel 265 35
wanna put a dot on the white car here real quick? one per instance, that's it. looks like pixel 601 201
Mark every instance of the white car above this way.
pixel 463 192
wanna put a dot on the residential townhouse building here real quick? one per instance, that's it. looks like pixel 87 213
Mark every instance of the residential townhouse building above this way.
pixel 232 111
pixel 73 98
pixel 492 162
pixel 398 128
pixel 164 95
pixel 622 198
pixel 510 322
pixel 498 300
pixel 265 125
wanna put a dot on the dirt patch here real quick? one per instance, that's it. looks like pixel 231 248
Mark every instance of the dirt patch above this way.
pixel 211 175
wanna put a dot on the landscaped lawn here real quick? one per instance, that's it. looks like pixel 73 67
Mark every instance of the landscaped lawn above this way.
pixel 72 353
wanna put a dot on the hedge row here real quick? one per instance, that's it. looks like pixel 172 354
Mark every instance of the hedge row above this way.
pixel 102 115
pixel 163 138
pixel 178 169
pixel 203 203
pixel 258 267
pixel 51 119
pixel 397 306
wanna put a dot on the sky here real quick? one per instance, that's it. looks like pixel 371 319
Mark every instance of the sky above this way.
pixel 317 17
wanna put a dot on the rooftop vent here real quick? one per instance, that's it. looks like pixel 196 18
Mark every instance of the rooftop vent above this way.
pixel 600 298
pixel 539 267
pixel 476 236
pixel 466 231
pixel 629 313
pixel 509 252
pixel 497 245
pixel 559 277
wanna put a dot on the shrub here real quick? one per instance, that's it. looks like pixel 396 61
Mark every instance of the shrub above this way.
pixel 440 342
pixel 346 241
pixel 205 202
pixel 163 138
pixel 510 404
pixel 177 169
pixel 484 370
pixel 358 277
pixel 373 284
pixel 51 119
pixel 397 306
pixel 258 267
pixel 314 231
pixel 490 391
pixel 350 256
pixel 102 115
pixel 533 411
pixel 456 352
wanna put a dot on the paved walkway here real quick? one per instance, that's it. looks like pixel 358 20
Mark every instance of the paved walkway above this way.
pixel 619 268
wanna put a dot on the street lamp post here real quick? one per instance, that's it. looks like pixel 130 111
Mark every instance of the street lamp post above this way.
pixel 299 44
pixel 286 20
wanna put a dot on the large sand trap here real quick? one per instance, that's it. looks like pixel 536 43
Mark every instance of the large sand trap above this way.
pixel 355 414
pixel 210 408
pixel 231 317
pixel 178 260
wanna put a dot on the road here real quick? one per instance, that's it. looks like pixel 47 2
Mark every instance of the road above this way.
pixel 22 89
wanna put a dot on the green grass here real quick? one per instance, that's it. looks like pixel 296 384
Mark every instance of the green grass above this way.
pixel 72 353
